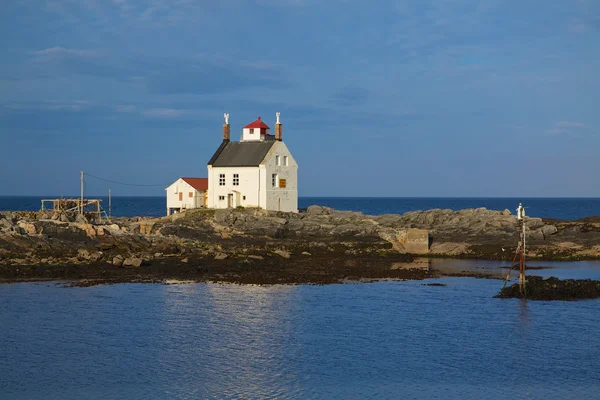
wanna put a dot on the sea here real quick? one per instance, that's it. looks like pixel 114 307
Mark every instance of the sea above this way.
pixel 382 340
pixel 559 208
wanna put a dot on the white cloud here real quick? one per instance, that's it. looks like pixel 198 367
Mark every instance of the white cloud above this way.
pixel 559 128
pixel 125 108
pixel 166 113
pixel 61 52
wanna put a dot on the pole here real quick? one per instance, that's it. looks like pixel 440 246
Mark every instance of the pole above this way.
pixel 109 202
pixel 81 204
pixel 521 219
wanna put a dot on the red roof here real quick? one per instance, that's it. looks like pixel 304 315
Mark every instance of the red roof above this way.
pixel 257 124
pixel 197 183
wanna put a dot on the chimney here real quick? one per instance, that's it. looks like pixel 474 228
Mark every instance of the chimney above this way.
pixel 278 129
pixel 226 128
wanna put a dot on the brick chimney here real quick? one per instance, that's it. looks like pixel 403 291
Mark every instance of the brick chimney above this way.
pixel 226 128
pixel 278 129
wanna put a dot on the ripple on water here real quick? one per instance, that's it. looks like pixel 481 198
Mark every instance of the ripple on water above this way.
pixel 387 339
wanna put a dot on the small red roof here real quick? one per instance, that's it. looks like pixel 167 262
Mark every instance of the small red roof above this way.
pixel 257 124
pixel 197 183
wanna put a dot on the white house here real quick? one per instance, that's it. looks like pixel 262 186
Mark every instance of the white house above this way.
pixel 186 193
pixel 257 171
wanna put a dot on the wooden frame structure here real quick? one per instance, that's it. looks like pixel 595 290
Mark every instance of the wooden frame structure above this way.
pixel 90 208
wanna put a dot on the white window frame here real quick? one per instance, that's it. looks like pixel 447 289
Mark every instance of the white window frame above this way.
pixel 285 161
pixel 277 160
pixel 221 179
pixel 221 198
pixel 236 179
pixel 274 181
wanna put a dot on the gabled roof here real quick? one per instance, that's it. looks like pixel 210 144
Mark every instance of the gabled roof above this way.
pixel 241 154
pixel 197 183
pixel 257 124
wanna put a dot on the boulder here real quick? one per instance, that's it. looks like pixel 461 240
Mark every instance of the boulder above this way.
pixel 221 256
pixel 27 228
pixel 133 262
pixel 282 254
pixel 81 219
pixel 548 230
pixel 118 261
pixel 318 210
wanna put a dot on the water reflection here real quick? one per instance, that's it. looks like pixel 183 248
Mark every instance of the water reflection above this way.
pixel 237 346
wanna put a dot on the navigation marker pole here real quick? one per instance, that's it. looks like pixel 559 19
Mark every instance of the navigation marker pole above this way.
pixel 109 202
pixel 521 220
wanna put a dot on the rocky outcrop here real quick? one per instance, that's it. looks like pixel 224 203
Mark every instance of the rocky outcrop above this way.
pixel 537 288
pixel 319 233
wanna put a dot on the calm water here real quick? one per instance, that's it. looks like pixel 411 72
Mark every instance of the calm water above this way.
pixel 380 340
pixel 561 208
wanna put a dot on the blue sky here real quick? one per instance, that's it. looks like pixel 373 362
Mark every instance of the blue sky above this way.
pixel 386 98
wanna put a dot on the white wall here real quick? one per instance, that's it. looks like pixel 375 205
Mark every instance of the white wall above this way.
pixel 247 136
pixel 277 198
pixel 181 186
pixel 249 186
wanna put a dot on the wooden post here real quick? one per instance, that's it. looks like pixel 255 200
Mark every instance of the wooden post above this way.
pixel 81 201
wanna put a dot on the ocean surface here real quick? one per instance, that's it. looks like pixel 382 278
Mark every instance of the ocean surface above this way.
pixel 560 208
pixel 389 340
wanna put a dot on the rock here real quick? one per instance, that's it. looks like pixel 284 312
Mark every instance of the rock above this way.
pixel 86 255
pixel 5 224
pixel 548 230
pixel 506 212
pixel 83 253
pixel 27 228
pixel 158 255
pixel 537 234
pixel 306 253
pixel 118 261
pixel 133 262
pixel 256 257
pixel 221 256
pixel 318 210
pixel 81 219
pixel 283 253
pixel 185 260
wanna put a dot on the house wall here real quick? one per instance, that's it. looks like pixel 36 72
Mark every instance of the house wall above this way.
pixel 181 186
pixel 247 136
pixel 275 197
pixel 249 186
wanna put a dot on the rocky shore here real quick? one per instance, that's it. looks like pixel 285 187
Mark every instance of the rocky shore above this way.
pixel 318 245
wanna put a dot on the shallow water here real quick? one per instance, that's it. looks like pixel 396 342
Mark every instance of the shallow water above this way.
pixel 384 340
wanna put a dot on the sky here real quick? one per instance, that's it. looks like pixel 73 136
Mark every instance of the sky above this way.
pixel 406 98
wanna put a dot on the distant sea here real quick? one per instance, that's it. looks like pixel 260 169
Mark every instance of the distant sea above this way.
pixel 560 208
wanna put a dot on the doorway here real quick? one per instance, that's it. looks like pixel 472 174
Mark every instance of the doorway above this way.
pixel 230 200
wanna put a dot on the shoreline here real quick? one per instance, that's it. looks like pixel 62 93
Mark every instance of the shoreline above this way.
pixel 318 246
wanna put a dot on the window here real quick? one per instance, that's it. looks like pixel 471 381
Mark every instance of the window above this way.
pixel 282 183
pixel 277 160
pixel 180 196
pixel 221 197
pixel 221 179
pixel 285 161
pixel 191 195
pixel 236 179
pixel 251 130
pixel 274 180
pixel 244 197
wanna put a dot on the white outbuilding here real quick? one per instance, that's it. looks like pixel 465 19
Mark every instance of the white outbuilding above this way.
pixel 258 171
pixel 186 193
